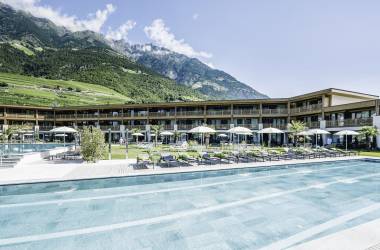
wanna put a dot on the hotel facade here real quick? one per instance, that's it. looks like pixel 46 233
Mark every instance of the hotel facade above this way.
pixel 329 109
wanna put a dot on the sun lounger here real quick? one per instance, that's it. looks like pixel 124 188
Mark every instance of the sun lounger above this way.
pixel 206 158
pixel 168 159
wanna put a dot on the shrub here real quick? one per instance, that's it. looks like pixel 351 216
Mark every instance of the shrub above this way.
pixel 93 146
pixel 3 85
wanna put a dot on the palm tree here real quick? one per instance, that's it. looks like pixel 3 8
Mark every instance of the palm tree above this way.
pixel 156 130
pixel 296 127
pixel 369 132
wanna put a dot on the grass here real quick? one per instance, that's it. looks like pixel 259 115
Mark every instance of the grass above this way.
pixel 370 153
pixel 26 90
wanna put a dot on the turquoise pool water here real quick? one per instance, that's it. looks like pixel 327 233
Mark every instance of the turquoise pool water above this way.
pixel 20 148
pixel 233 209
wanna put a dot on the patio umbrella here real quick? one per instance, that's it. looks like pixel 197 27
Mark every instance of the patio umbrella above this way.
pixel 137 135
pixel 240 131
pixel 346 133
pixel 166 133
pixel 270 131
pixel 64 130
pixel 202 130
pixel 317 132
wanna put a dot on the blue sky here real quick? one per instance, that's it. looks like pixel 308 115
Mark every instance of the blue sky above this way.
pixel 281 48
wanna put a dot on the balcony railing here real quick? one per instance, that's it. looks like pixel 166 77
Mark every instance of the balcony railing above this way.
pixel 65 116
pixel 279 126
pixel 246 112
pixel 161 114
pixel 250 126
pixel 226 112
pixel 109 115
pixel 220 126
pixel 350 123
pixel 45 128
pixel 107 127
pixel 280 111
pixel 310 108
pixel 312 124
pixel 21 116
pixel 130 127
pixel 190 113
pixel 186 126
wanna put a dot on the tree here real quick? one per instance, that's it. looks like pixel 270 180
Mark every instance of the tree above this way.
pixel 156 130
pixel 296 127
pixel 14 129
pixel 369 132
pixel 93 145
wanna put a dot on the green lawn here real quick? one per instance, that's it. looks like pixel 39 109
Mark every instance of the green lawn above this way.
pixel 370 153
pixel 26 90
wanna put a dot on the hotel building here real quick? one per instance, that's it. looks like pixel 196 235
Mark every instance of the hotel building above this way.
pixel 329 109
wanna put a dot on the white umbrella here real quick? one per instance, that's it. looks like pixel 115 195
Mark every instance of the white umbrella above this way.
pixel 137 135
pixel 346 133
pixel 270 131
pixel 202 130
pixel 63 130
pixel 166 133
pixel 240 131
pixel 317 132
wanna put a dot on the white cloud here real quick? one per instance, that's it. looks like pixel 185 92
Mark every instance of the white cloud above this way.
pixel 161 35
pixel 94 22
pixel 195 16
pixel 121 32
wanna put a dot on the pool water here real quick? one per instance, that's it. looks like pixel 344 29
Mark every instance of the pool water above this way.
pixel 251 208
pixel 20 148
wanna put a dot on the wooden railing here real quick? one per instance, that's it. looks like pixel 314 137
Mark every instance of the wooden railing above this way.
pixel 310 108
pixel 350 123
pixel 226 112
pixel 246 111
pixel 190 113
pixel 280 111
pixel 161 114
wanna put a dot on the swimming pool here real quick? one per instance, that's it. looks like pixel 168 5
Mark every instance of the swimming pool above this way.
pixel 20 148
pixel 250 208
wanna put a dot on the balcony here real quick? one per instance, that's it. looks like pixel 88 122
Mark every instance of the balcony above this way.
pixel 168 127
pixel 312 125
pixel 107 127
pixel 220 126
pixel 161 114
pixel 140 127
pixel 246 112
pixel 109 115
pixel 250 126
pixel 65 116
pixel 186 126
pixel 20 116
pixel 279 111
pixel 279 126
pixel 190 113
pixel 350 123
pixel 226 112
pixel 306 109
pixel 45 128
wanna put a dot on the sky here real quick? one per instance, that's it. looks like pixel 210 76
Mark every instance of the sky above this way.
pixel 280 48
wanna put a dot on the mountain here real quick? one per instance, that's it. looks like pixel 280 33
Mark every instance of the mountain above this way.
pixel 187 71
pixel 37 47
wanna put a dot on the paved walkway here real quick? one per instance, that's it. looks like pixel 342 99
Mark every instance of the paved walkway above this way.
pixel 69 170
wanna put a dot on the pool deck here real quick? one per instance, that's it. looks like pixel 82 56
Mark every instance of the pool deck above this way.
pixel 76 170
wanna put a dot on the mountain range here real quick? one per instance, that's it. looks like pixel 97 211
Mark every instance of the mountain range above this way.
pixel 142 73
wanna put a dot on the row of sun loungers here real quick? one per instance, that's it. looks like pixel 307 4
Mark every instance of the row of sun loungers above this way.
pixel 207 158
